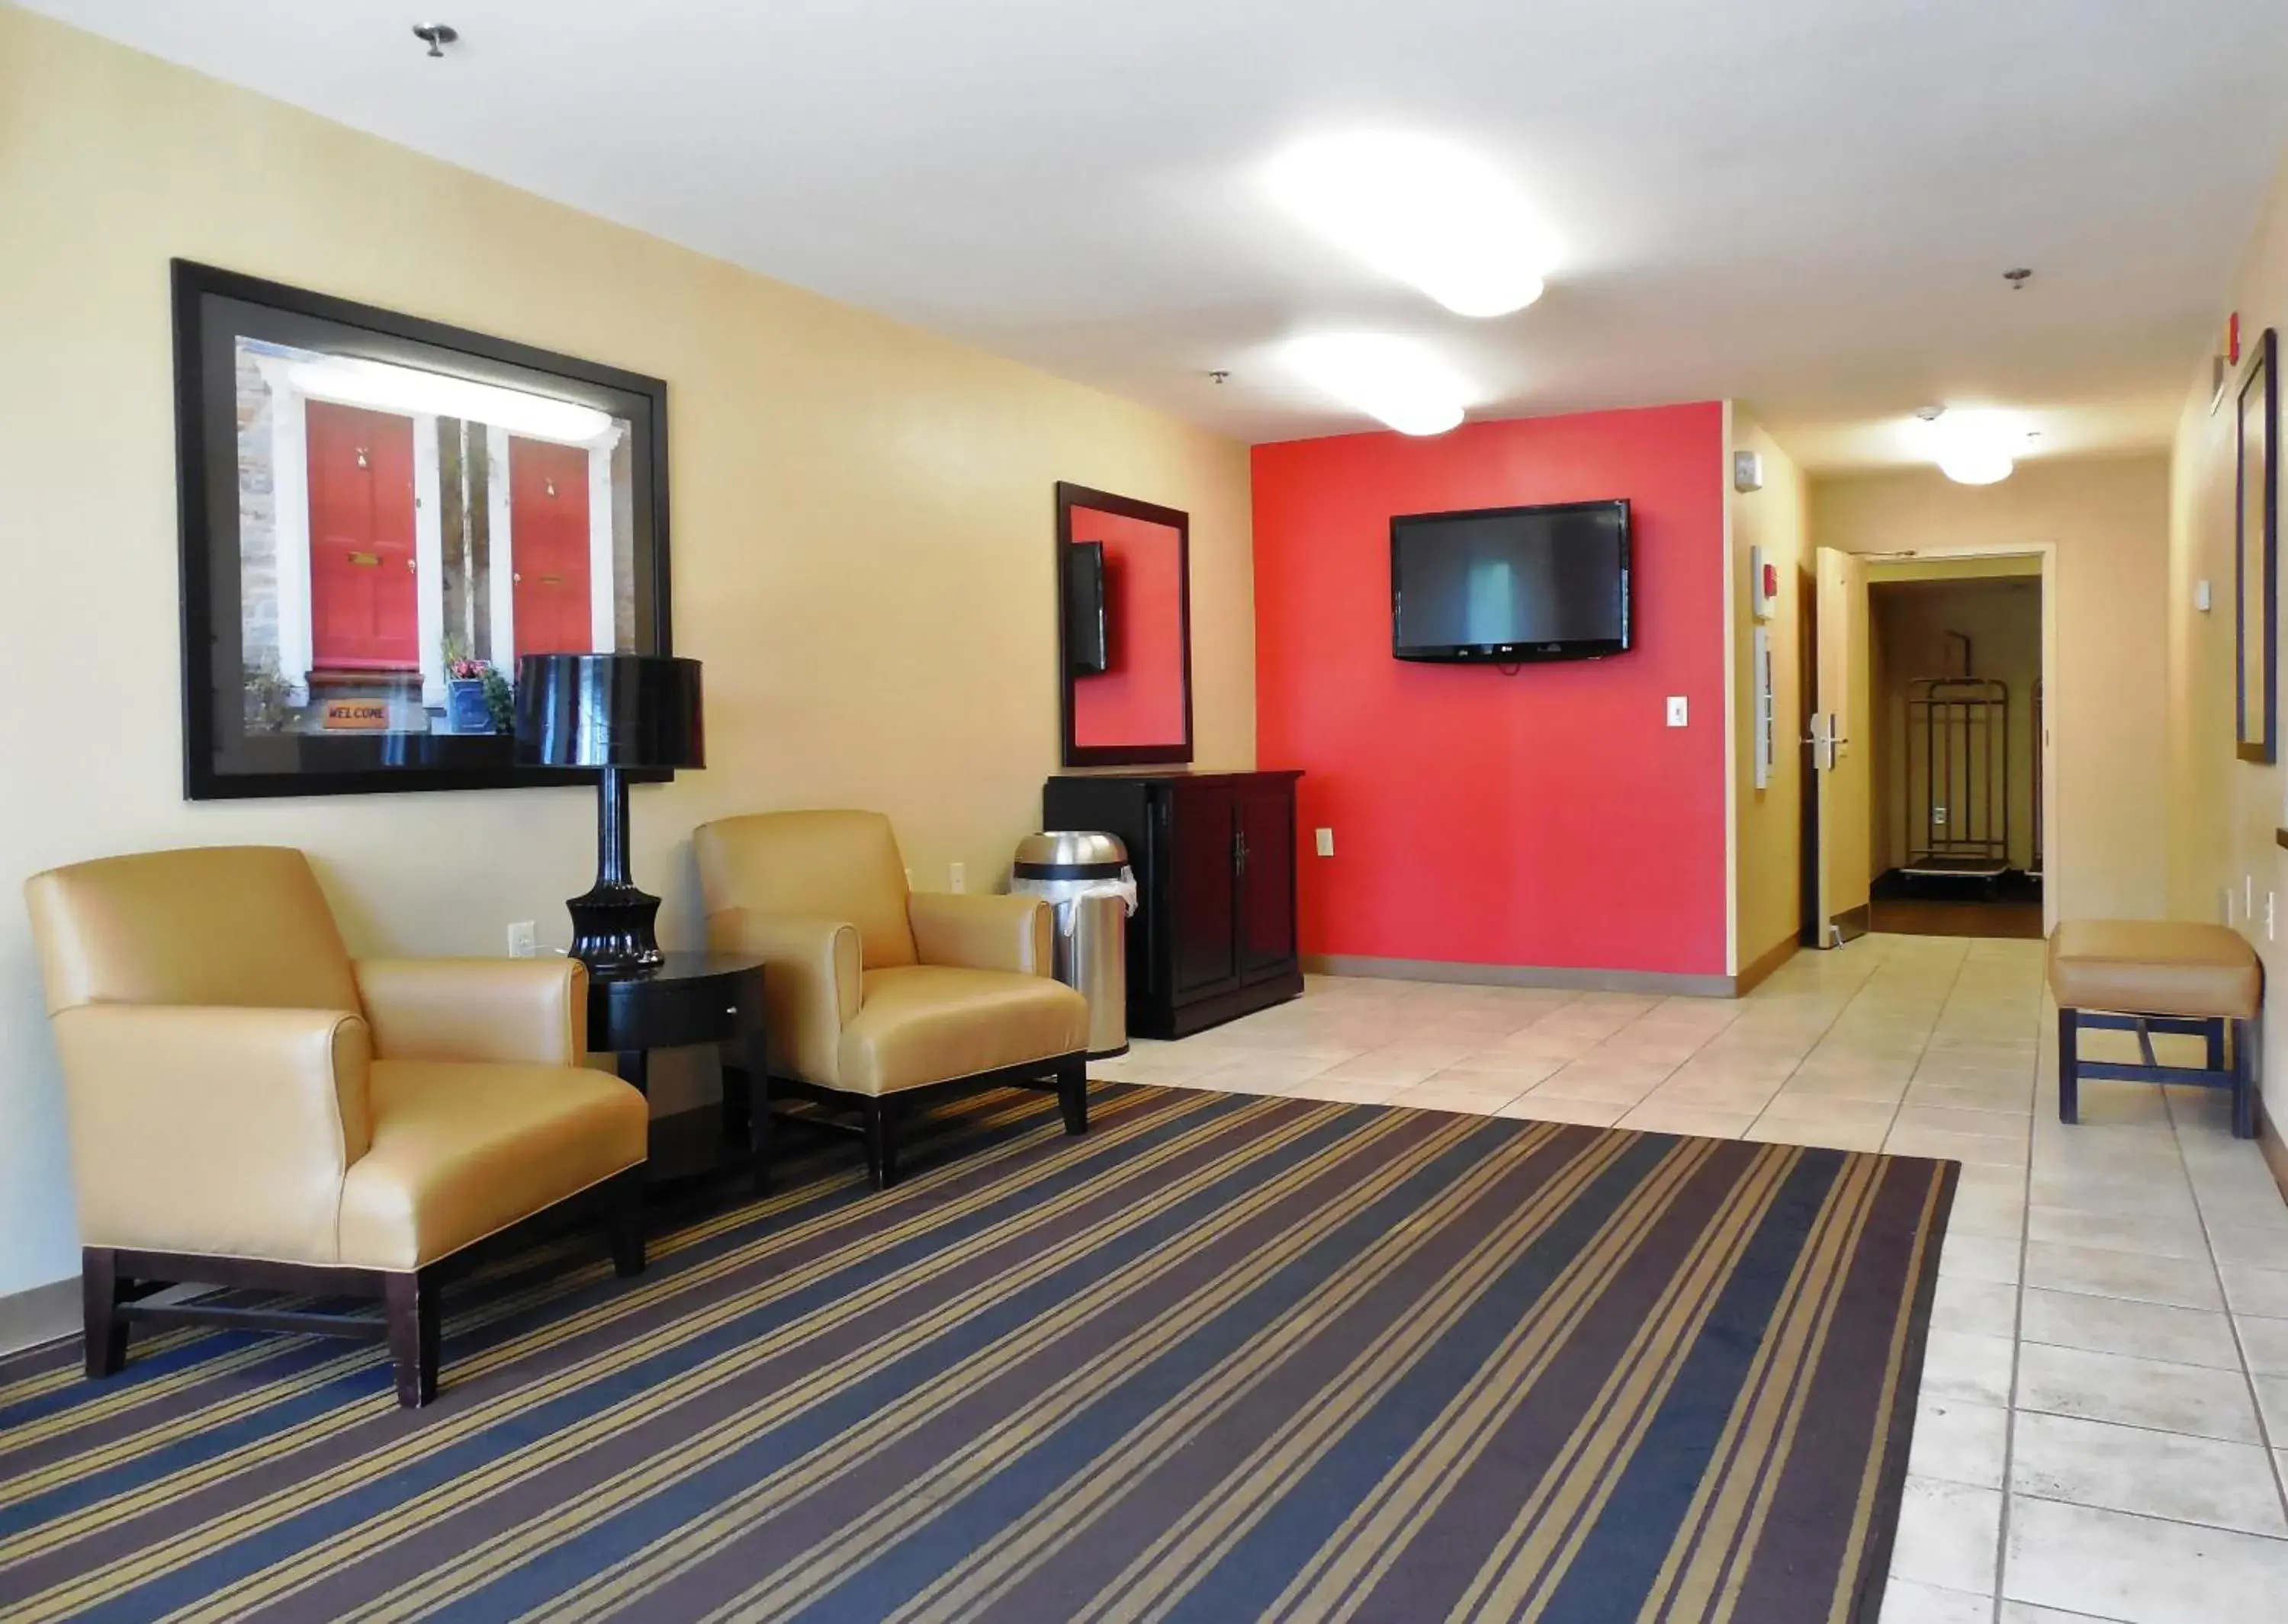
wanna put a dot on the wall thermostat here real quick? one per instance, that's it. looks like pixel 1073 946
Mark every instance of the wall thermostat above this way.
pixel 1747 470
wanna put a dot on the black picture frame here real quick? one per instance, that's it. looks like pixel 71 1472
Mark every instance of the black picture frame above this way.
pixel 1077 753
pixel 2256 555
pixel 214 309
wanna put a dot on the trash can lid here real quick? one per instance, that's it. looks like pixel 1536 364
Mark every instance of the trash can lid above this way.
pixel 1070 854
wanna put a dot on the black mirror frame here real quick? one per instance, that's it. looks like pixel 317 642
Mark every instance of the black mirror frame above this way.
pixel 1076 754
pixel 2258 598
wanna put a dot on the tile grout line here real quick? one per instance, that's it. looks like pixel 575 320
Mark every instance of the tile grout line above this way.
pixel 2224 1300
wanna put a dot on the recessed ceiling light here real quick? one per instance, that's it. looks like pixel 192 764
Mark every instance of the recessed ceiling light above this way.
pixel 1972 447
pixel 1420 209
pixel 1393 380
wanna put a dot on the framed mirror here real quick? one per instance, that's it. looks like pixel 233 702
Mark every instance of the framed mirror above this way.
pixel 1123 630
pixel 2257 532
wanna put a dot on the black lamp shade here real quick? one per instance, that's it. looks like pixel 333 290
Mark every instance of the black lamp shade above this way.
pixel 617 713
pixel 609 710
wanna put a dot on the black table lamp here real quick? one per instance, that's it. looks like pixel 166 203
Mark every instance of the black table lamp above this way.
pixel 618 713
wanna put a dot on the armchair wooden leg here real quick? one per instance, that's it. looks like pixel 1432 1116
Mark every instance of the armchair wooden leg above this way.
pixel 105 1327
pixel 409 1303
pixel 1072 1093
pixel 881 1144
pixel 624 1222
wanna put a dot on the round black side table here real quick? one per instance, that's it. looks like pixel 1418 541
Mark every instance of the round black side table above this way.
pixel 689 999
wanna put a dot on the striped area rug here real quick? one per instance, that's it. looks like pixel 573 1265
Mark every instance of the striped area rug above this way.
pixel 1225 1358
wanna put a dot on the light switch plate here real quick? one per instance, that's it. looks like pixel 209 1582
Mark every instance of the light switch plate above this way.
pixel 2201 596
pixel 959 877
pixel 1676 710
pixel 523 940
pixel 1326 838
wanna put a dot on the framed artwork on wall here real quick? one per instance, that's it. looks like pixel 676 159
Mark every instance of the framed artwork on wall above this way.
pixel 2256 559
pixel 379 515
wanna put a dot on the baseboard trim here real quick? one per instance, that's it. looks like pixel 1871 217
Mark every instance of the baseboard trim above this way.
pixel 1559 977
pixel 44 1313
pixel 2275 1149
pixel 1759 969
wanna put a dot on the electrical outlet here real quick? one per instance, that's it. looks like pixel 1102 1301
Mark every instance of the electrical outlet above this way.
pixel 1326 842
pixel 959 877
pixel 2271 918
pixel 1938 816
pixel 1676 710
pixel 523 940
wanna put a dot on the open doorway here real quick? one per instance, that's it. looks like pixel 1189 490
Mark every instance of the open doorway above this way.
pixel 1927 807
pixel 1955 662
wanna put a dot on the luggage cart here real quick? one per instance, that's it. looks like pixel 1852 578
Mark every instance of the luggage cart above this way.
pixel 1957 780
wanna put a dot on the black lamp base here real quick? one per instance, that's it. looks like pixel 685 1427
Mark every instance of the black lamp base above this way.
pixel 612 928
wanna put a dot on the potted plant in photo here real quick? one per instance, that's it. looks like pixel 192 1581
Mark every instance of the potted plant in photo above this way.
pixel 469 705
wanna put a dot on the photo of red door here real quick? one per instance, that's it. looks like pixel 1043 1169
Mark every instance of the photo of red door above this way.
pixel 548 530
pixel 364 613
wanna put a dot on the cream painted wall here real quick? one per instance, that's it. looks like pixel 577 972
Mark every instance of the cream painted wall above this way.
pixel 1769 845
pixel 2108 519
pixel 2223 812
pixel 862 537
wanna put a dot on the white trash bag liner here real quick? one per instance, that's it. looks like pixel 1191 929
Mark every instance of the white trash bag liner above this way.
pixel 1059 893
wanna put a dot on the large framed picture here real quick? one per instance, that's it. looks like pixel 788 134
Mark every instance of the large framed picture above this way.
pixel 379 515
pixel 2257 534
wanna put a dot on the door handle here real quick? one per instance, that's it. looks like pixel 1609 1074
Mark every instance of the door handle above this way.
pixel 1826 744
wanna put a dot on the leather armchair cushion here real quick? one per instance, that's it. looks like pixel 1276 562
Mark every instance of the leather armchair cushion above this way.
pixel 811 864
pixel 2143 967
pixel 533 1011
pixel 462 1149
pixel 982 931
pixel 923 1023
pixel 215 1129
pixel 242 925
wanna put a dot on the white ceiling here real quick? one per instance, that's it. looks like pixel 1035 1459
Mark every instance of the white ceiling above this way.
pixel 1803 204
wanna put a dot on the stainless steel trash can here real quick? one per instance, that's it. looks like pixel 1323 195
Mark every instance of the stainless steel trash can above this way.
pixel 1085 878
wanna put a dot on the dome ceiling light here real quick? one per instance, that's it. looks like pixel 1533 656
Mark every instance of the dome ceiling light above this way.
pixel 1394 380
pixel 1972 447
pixel 1422 211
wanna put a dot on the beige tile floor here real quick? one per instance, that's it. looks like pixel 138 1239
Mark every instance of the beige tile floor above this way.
pixel 2103 1426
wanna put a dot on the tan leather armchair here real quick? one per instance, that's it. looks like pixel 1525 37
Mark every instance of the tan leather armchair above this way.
pixel 251 1107
pixel 878 993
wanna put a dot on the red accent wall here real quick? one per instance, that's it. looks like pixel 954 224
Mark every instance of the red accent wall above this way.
pixel 1139 697
pixel 1547 818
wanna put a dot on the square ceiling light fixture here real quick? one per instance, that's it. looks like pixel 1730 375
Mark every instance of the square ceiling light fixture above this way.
pixel 1422 211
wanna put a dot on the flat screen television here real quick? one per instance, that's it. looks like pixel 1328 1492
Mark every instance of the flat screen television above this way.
pixel 1508 585
pixel 1087 639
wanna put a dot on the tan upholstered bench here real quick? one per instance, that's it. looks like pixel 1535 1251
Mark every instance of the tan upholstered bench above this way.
pixel 2193 980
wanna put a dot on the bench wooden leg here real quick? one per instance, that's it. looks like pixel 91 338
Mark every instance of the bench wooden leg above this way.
pixel 2068 1066
pixel 2243 1076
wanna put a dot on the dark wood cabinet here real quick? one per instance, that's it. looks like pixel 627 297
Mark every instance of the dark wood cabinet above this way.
pixel 1214 855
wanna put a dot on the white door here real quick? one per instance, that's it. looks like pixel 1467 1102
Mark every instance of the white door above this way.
pixel 1841 726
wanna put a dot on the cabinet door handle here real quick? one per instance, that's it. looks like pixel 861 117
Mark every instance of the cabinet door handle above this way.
pixel 1239 851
